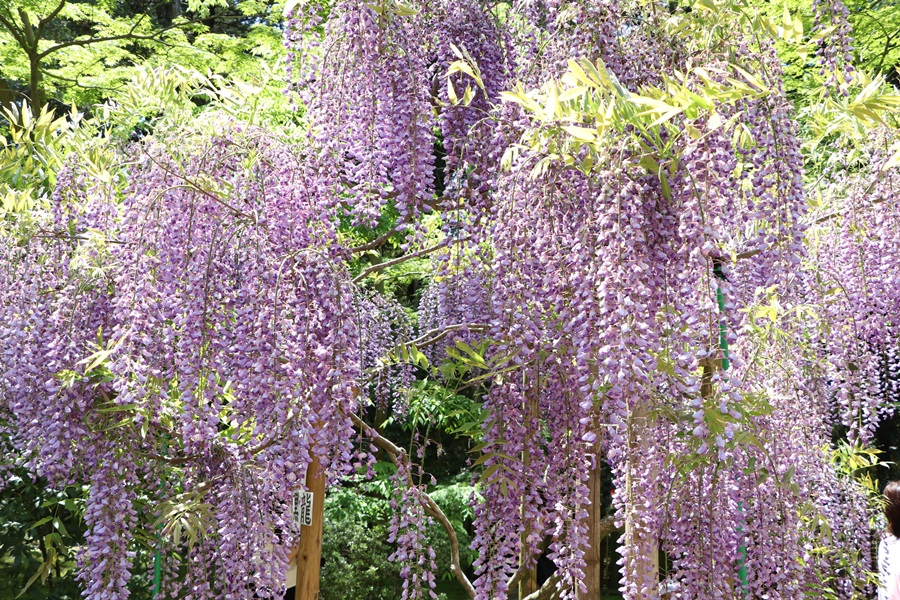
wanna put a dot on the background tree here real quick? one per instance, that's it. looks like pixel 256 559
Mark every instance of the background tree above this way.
pixel 81 51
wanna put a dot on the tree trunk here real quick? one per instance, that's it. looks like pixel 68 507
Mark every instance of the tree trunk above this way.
pixel 309 554
pixel 528 583
pixel 30 45
pixel 36 84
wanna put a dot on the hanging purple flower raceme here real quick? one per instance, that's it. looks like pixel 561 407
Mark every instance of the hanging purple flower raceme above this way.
pixel 55 313
pixel 857 247
pixel 452 302
pixel 209 316
pixel 641 308
pixel 835 48
pixel 208 334
pixel 408 531
pixel 384 326
pixel 466 129
pixel 111 519
pixel 376 139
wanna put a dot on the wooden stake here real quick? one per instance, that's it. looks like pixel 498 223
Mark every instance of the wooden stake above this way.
pixel 309 553
pixel 528 583
pixel 593 566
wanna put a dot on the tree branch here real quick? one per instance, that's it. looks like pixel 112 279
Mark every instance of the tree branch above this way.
pixel 13 31
pixel 548 591
pixel 377 241
pixel 27 30
pixel 112 38
pixel 80 238
pixel 518 575
pixel 397 454
pixel 433 336
pixel 43 22
pixel 380 266
pixel 606 527
pixel 191 185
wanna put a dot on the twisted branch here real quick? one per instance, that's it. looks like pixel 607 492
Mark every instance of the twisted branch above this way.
pixel 398 455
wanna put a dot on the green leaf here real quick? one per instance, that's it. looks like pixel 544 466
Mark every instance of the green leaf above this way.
pixel 58 524
pixel 43 571
pixel 582 134
pixel 41 522
pixel 892 162
pixel 489 455
pixel 451 92
pixel 664 182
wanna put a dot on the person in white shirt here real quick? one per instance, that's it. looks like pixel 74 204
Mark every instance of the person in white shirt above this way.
pixel 889 548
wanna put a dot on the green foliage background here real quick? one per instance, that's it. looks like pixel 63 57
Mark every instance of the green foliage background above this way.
pixel 234 38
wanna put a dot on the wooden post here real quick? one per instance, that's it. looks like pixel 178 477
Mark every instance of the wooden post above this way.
pixel 309 552
pixel 528 582
pixel 593 566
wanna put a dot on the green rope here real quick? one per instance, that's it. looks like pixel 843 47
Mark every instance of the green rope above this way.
pixel 723 344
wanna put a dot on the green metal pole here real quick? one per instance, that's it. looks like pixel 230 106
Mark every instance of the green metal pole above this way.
pixel 157 558
pixel 723 344
pixel 720 296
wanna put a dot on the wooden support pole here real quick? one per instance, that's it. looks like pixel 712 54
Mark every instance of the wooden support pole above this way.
pixel 309 553
pixel 593 566
pixel 528 583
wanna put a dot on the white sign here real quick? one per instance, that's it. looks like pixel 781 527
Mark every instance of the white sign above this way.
pixel 301 511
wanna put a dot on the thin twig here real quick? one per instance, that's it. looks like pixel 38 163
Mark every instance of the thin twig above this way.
pixel 433 336
pixel 377 241
pixel 63 236
pixel 381 266
pixel 398 455
pixel 191 185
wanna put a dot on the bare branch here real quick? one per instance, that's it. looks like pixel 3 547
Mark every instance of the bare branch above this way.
pixel 112 38
pixel 377 241
pixel 399 456
pixel 433 336
pixel 80 238
pixel 27 30
pixel 749 254
pixel 191 185
pixel 548 591
pixel 380 266
pixel 92 40
pixel 43 22
pixel 606 527
pixel 518 575
pixel 13 31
